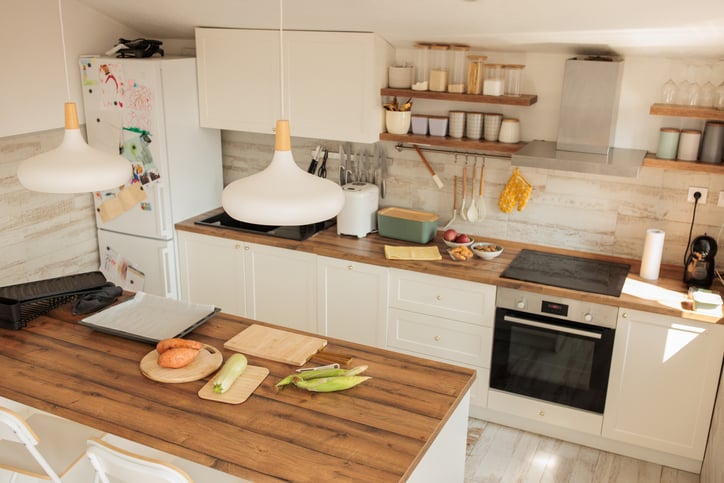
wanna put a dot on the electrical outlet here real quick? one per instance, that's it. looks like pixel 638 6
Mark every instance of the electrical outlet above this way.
pixel 692 190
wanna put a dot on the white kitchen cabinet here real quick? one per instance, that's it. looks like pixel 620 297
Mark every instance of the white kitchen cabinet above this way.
pixel 250 280
pixel 352 301
pixel 332 82
pixel 444 319
pixel 663 382
pixel 211 271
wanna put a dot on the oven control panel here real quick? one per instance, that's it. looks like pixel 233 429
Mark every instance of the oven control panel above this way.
pixel 573 310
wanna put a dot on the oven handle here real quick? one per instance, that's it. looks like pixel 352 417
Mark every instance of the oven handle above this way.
pixel 557 328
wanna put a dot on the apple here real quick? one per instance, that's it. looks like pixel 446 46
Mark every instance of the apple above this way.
pixel 462 238
pixel 450 235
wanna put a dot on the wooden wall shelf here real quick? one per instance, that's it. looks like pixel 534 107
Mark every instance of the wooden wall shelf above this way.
pixel 447 141
pixel 521 100
pixel 677 110
pixel 652 161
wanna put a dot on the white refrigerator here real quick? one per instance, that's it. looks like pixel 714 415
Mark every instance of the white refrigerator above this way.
pixel 147 109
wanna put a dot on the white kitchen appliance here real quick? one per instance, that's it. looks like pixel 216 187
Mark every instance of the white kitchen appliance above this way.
pixel 148 108
pixel 359 214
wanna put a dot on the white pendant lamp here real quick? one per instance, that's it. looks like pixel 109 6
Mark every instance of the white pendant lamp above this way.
pixel 73 167
pixel 282 194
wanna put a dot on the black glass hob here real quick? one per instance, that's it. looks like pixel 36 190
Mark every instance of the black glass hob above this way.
pixel 297 232
pixel 566 271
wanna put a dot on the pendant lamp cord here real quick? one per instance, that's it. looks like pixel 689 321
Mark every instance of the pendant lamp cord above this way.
pixel 65 55
pixel 281 56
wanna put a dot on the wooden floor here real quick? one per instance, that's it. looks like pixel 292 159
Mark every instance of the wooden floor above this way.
pixel 500 454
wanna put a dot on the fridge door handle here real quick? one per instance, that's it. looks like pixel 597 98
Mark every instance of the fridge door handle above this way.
pixel 161 219
pixel 167 275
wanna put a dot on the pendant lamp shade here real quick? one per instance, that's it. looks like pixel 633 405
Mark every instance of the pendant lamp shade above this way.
pixel 282 194
pixel 73 167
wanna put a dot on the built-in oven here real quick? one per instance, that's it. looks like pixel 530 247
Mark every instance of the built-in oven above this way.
pixel 552 348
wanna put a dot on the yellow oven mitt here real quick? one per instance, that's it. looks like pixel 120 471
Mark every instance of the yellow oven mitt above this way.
pixel 516 193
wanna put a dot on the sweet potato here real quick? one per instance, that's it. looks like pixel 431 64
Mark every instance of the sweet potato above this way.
pixel 166 344
pixel 177 357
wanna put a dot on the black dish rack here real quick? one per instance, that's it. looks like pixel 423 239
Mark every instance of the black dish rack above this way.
pixel 23 302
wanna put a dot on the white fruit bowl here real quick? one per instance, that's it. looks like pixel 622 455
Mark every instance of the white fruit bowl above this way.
pixel 455 245
pixel 482 250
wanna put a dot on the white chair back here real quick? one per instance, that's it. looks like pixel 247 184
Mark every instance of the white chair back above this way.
pixel 15 430
pixel 109 460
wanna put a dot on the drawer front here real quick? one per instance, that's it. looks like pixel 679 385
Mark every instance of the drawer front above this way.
pixel 443 297
pixel 439 338
pixel 545 412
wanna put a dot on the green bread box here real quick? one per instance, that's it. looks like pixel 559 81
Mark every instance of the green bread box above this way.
pixel 406 224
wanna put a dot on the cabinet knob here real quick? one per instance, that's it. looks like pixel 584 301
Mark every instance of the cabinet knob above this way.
pixel 247 247
pixel 237 246
pixel 437 338
pixel 438 297
pixel 349 267
pixel 624 315
pixel 587 317
pixel 542 413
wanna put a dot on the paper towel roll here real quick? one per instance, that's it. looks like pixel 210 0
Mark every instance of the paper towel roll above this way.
pixel 653 249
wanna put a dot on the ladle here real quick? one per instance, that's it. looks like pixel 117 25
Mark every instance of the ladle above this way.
pixel 472 213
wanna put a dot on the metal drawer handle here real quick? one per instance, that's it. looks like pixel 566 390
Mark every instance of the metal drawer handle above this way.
pixel 557 328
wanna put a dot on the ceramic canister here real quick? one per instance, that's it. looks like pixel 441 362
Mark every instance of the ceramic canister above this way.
pixel 689 145
pixel 668 143
pixel 456 124
pixel 491 127
pixel 474 125
pixel 712 143
pixel 509 131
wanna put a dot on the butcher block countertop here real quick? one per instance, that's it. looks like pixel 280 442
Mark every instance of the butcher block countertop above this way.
pixel 667 295
pixel 377 431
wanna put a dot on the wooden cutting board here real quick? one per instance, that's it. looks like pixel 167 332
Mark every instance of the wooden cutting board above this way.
pixel 240 390
pixel 276 345
pixel 208 360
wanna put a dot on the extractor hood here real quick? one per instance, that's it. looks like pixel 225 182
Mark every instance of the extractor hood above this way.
pixel 589 106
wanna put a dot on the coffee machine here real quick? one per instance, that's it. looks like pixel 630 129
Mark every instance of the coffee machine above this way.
pixel 700 266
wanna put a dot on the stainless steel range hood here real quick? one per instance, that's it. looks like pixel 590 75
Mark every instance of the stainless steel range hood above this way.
pixel 589 106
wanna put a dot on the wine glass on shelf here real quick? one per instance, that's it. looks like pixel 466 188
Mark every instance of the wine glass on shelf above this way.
pixel 682 84
pixel 719 97
pixel 708 89
pixel 693 89
pixel 668 89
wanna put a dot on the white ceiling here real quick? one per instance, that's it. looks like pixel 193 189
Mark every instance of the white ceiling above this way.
pixel 681 28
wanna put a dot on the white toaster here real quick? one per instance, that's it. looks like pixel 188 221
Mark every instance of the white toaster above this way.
pixel 359 214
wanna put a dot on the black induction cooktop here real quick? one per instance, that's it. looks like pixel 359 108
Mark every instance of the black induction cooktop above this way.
pixel 297 232
pixel 566 271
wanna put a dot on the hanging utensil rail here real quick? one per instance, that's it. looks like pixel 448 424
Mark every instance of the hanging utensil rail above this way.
pixel 400 146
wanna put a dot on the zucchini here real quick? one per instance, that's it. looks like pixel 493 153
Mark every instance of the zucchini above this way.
pixel 233 368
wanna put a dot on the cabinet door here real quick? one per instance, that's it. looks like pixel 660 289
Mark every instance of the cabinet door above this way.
pixel 663 382
pixel 333 83
pixel 281 285
pixel 352 301
pixel 212 272
pixel 239 79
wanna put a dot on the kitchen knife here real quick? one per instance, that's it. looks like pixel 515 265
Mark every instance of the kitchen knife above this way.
pixel 383 169
pixel 313 165
pixel 342 166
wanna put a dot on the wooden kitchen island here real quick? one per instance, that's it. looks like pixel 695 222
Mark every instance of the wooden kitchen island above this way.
pixel 408 422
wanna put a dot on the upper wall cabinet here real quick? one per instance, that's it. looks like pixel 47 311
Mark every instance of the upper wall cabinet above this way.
pixel 332 82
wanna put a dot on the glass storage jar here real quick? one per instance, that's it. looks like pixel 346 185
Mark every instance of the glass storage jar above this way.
pixel 422 67
pixel 476 73
pixel 456 83
pixel 438 67
pixel 494 84
pixel 513 77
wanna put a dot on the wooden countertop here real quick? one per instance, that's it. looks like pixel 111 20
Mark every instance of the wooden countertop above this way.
pixel 667 295
pixel 377 431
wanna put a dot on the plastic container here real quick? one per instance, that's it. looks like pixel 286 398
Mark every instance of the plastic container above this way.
pixel 437 125
pixel 422 67
pixel 476 74
pixel 494 83
pixel 456 82
pixel 438 67
pixel 406 224
pixel 513 78
pixel 419 124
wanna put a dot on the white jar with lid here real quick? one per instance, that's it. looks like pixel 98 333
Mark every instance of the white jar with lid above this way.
pixel 438 67
pixel 456 83
pixel 494 84
pixel 422 67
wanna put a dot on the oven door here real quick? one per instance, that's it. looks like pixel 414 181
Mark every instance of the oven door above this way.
pixel 553 360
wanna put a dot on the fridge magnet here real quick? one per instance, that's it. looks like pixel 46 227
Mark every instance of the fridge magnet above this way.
pixel 146 206
pixel 137 152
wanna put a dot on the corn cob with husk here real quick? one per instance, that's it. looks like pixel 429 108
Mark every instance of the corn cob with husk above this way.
pixel 326 380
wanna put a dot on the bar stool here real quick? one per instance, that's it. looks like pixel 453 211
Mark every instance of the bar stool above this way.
pixel 42 446
pixel 109 460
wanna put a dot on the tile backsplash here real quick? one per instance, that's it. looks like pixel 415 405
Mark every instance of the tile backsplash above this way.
pixel 590 213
